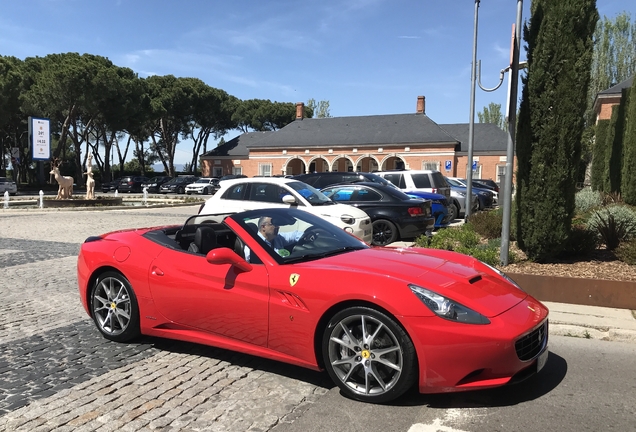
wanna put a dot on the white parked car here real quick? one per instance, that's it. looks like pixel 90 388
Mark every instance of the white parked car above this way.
pixel 8 185
pixel 265 192
pixel 203 186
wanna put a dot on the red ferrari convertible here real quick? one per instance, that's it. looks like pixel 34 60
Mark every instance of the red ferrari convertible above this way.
pixel 289 286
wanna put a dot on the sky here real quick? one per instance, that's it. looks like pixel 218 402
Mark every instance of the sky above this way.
pixel 366 57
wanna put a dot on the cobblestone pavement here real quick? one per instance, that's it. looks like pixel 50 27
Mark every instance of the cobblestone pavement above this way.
pixel 58 373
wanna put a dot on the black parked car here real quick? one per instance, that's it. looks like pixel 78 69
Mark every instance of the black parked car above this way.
pixel 321 180
pixel 131 183
pixel 111 186
pixel 155 183
pixel 394 214
pixel 177 184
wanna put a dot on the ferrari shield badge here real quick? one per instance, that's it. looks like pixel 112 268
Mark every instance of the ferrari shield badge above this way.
pixel 293 278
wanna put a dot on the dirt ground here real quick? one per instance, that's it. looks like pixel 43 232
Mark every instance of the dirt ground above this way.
pixel 602 264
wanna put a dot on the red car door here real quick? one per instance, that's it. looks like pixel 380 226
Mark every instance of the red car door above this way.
pixel 190 291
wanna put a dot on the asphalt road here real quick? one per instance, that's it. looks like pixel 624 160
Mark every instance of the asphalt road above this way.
pixel 58 373
pixel 586 385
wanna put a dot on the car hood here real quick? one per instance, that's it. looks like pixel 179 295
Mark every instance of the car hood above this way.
pixel 459 277
pixel 336 210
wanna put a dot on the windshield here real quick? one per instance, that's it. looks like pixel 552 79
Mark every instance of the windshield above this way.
pixel 296 236
pixel 203 181
pixel 454 182
pixel 311 194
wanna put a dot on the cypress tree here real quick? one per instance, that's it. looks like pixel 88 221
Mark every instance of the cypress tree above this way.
pixel 598 155
pixel 615 146
pixel 559 47
pixel 628 178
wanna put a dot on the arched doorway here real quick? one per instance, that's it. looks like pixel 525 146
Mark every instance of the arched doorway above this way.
pixel 367 164
pixel 318 165
pixel 393 163
pixel 294 167
pixel 343 164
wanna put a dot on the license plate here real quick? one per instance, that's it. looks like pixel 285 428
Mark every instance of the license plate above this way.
pixel 543 358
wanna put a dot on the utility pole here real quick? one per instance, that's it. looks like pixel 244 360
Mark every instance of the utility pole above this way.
pixel 512 122
pixel 471 122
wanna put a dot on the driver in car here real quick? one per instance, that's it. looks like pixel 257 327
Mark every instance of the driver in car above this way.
pixel 268 231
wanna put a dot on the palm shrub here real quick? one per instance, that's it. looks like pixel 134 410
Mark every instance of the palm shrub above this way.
pixel 614 224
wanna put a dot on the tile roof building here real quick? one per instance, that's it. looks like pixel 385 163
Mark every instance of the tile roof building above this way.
pixel 361 143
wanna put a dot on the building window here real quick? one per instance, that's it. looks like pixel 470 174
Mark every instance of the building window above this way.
pixel 217 172
pixel 501 172
pixel 265 170
pixel 430 165
pixel 237 170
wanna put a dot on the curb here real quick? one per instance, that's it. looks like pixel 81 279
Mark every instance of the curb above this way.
pixel 601 333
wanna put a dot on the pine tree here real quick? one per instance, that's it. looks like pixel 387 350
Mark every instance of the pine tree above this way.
pixel 559 47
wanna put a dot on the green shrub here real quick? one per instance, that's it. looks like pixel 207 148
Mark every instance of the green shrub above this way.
pixel 626 252
pixel 487 223
pixel 453 238
pixel 465 240
pixel 581 242
pixel 587 199
pixel 614 224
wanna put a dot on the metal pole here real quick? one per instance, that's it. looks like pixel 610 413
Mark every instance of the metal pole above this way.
pixel 471 123
pixel 510 152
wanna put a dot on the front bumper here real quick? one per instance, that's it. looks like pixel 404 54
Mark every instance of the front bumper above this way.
pixel 459 357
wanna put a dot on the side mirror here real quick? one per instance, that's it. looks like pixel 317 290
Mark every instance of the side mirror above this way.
pixel 290 200
pixel 228 256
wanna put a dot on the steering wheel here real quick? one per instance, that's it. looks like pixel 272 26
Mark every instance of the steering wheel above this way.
pixel 309 236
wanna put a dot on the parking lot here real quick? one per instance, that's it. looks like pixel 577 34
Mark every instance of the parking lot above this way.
pixel 58 373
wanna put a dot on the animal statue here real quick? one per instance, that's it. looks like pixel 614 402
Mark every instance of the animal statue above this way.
pixel 90 181
pixel 65 190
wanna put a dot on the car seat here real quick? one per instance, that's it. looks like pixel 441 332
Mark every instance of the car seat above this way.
pixel 204 240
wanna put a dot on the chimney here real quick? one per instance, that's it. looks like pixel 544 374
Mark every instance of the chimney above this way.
pixel 300 110
pixel 420 105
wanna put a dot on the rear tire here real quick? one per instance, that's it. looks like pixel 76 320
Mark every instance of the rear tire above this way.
pixel 384 232
pixel 114 307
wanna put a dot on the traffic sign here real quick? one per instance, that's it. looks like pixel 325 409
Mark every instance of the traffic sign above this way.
pixel 447 165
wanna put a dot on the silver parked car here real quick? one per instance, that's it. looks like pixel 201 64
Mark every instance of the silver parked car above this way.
pixel 8 185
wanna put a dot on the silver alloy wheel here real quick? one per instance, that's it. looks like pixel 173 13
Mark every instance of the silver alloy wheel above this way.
pixel 365 355
pixel 112 307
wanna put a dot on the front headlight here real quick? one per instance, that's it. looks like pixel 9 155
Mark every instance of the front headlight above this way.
pixel 350 220
pixel 447 308
pixel 463 194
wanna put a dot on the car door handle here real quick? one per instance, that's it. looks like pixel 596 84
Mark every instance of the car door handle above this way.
pixel 157 271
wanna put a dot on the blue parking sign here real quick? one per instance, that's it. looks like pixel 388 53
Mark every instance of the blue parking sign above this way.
pixel 474 165
pixel 447 165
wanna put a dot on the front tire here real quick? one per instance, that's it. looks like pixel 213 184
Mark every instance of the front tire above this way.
pixel 384 232
pixel 454 211
pixel 114 307
pixel 368 355
pixel 181 191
